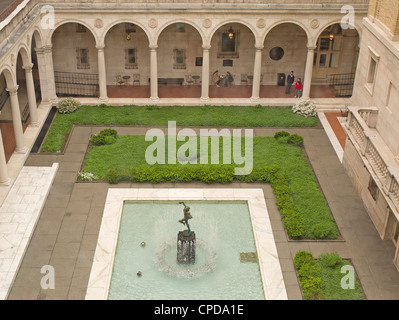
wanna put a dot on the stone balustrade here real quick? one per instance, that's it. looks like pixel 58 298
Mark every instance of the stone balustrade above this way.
pixel 361 130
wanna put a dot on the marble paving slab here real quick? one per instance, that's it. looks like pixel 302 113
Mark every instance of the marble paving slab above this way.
pixel 19 214
pixel 101 272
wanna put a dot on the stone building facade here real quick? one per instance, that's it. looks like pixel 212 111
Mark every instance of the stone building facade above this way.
pixel 371 154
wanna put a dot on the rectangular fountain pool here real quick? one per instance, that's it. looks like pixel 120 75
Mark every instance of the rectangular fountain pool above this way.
pixel 226 264
pixel 236 256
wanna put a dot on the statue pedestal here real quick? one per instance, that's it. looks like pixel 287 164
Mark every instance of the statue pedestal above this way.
pixel 186 247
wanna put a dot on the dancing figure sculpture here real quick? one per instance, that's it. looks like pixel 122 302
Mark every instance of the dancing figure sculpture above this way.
pixel 187 216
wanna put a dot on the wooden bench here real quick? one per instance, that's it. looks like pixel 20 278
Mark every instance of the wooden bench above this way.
pixel 166 81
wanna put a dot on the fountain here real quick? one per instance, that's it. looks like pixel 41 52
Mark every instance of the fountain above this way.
pixel 234 254
pixel 186 240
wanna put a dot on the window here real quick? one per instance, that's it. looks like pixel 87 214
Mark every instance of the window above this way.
pixel 392 97
pixel 372 70
pixel 228 47
pixel 371 73
pixel 180 27
pixel 373 189
pixel 198 61
pixel 82 57
pixel 227 63
pixel 179 58
pixel 131 58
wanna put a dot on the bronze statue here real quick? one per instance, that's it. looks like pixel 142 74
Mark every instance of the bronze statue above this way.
pixel 187 216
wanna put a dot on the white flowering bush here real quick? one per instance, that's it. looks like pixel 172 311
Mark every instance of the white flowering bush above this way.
pixel 68 105
pixel 305 108
pixel 86 176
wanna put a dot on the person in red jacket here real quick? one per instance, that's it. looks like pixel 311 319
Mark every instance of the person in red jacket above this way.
pixel 298 88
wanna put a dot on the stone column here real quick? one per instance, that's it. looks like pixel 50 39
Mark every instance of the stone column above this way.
pixel 30 88
pixel 4 179
pixel 41 65
pixel 257 73
pixel 205 73
pixel 48 54
pixel 307 81
pixel 16 120
pixel 154 73
pixel 102 78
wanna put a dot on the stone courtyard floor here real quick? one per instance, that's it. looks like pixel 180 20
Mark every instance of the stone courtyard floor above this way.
pixel 66 233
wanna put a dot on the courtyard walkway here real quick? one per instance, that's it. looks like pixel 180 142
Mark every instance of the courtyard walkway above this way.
pixel 66 233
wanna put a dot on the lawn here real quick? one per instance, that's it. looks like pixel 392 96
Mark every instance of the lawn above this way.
pixel 327 278
pixel 274 161
pixel 210 116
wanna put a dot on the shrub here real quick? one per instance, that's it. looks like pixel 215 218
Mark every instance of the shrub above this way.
pixel 86 176
pixel 112 176
pixel 281 134
pixel 305 108
pixel 295 140
pixel 324 230
pixel 106 136
pixel 68 105
pixel 302 257
pixel 309 275
pixel 330 259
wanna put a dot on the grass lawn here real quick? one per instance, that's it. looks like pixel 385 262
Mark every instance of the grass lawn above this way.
pixel 210 116
pixel 129 152
pixel 327 278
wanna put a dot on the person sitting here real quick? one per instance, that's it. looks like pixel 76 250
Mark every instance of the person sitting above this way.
pixel 216 78
pixel 228 79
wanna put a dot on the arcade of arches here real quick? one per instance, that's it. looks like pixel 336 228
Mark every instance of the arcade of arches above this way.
pixel 180 65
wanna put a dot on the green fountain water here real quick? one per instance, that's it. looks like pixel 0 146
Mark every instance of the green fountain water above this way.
pixel 145 265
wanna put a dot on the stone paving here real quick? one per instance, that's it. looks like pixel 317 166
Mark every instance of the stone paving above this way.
pixel 66 233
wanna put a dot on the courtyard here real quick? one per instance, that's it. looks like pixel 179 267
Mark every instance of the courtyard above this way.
pixel 69 223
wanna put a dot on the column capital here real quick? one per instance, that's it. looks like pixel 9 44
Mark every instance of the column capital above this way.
pixel 206 47
pixel 153 47
pixel 311 48
pixel 13 91
pixel 28 68
pixel 48 48
pixel 100 47
pixel 257 47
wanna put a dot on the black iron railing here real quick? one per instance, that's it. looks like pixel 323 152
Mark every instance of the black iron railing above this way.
pixel 73 84
pixel 342 84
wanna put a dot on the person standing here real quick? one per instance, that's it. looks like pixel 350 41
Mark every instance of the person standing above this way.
pixel 298 88
pixel 290 81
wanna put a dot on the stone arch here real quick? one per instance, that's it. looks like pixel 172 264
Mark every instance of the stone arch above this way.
pixel 63 22
pixel 38 37
pixel 357 27
pixel 114 23
pixel 24 52
pixel 277 23
pixel 171 22
pixel 237 21
pixel 7 71
pixel 235 55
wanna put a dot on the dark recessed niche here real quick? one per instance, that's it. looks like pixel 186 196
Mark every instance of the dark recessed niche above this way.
pixel 198 61
pixel 227 63
pixel 276 53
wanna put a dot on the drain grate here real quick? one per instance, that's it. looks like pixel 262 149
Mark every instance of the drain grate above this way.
pixel 248 257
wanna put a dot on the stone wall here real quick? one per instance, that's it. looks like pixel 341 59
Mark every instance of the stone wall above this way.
pixel 384 92
pixel 360 177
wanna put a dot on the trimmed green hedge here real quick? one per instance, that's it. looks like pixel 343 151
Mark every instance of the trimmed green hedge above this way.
pixel 292 219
